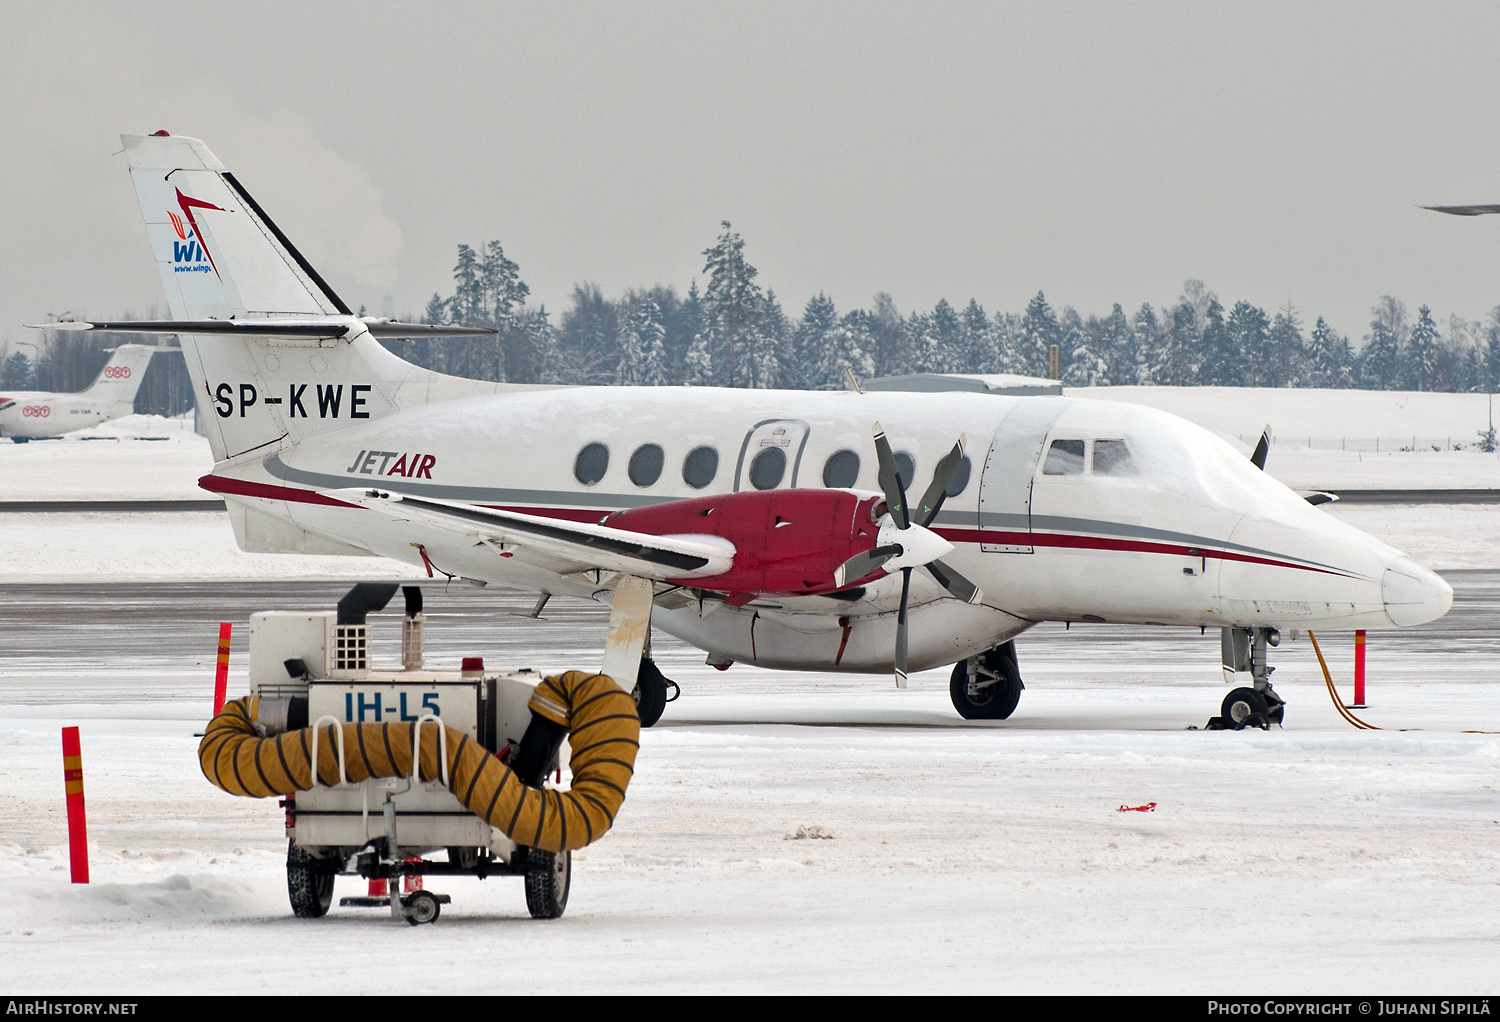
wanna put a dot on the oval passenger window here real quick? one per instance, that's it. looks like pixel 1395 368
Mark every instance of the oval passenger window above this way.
pixel 906 468
pixel 960 481
pixel 767 468
pixel 591 464
pixel 841 469
pixel 645 464
pixel 700 467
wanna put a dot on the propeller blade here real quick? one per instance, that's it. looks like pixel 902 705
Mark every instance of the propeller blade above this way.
pixel 862 564
pixel 942 478
pixel 958 587
pixel 901 629
pixel 1258 459
pixel 890 480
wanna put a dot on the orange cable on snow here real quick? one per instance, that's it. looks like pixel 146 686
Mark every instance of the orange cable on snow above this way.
pixel 1351 718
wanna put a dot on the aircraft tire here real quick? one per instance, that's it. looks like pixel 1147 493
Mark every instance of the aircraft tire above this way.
pixel 650 693
pixel 1000 701
pixel 309 889
pixel 1245 707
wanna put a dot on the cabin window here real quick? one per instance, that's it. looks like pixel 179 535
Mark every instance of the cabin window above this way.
pixel 700 467
pixel 841 469
pixel 1112 458
pixel 645 464
pixel 906 468
pixel 960 481
pixel 1064 458
pixel 767 468
pixel 591 464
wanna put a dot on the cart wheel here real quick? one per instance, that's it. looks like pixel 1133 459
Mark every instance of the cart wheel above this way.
pixel 421 907
pixel 309 888
pixel 548 878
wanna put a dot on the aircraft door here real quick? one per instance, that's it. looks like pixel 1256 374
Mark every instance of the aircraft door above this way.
pixel 1005 485
pixel 771 455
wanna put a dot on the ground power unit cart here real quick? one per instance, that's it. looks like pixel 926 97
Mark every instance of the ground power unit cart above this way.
pixel 311 673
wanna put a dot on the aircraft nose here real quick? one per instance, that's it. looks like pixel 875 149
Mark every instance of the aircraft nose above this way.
pixel 1412 594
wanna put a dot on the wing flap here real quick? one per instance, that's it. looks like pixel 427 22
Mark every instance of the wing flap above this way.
pixel 589 546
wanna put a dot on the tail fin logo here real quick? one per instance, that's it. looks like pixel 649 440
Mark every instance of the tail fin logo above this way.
pixel 194 251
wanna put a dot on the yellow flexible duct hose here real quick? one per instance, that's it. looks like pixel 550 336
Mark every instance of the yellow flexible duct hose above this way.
pixel 599 715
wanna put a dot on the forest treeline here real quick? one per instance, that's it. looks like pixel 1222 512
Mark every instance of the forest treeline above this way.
pixel 733 332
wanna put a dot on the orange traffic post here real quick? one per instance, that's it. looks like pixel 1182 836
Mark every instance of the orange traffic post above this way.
pixel 78 831
pixel 1359 670
pixel 221 678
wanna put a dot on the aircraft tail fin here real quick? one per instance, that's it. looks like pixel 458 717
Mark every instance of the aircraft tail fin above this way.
pixel 274 353
pixel 218 253
pixel 121 377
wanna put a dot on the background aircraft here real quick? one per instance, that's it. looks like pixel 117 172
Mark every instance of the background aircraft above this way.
pixel 29 414
pixel 765 527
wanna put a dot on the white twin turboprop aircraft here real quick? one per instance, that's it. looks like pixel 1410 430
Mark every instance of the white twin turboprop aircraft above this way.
pixel 764 527
pixel 33 414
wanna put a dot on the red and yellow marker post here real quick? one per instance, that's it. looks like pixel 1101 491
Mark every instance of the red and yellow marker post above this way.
pixel 78 832
pixel 221 678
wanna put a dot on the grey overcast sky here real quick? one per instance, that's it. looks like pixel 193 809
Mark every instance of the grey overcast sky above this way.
pixel 1102 152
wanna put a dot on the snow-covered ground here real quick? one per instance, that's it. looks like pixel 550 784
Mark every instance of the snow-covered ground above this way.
pixel 963 857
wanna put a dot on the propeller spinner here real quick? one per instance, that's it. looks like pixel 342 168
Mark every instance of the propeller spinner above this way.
pixel 906 544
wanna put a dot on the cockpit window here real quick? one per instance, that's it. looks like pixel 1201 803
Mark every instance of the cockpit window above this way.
pixel 1064 458
pixel 1112 458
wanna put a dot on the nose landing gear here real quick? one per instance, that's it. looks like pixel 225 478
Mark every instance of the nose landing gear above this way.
pixel 1256 706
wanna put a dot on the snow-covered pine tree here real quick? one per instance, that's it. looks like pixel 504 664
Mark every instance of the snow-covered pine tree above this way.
pixel 1039 332
pixel 1250 339
pixel 1289 348
pixel 1333 358
pixel 1083 366
pixel 1220 363
pixel 974 341
pixel 1380 359
pixel 732 297
pixel 1178 364
pixel 892 351
pixel 1148 344
pixel 1419 361
pixel 698 363
pixel 1116 345
pixel 947 339
pixel 811 343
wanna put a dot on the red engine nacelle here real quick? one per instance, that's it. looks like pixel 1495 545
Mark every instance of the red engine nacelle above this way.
pixel 786 541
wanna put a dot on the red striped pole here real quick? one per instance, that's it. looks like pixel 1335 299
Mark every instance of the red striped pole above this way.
pixel 78 832
pixel 1359 670
pixel 221 679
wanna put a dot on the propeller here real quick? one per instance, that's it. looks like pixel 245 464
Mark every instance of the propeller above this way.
pixel 907 544
pixel 1258 458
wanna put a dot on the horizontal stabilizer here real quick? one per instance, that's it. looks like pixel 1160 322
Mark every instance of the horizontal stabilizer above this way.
pixel 331 326
pixel 586 546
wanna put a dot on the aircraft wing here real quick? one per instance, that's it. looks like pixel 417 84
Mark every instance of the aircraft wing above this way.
pixel 552 540
pixel 1465 210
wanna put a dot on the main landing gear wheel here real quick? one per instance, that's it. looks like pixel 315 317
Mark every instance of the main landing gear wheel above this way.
pixel 420 907
pixel 992 689
pixel 549 876
pixel 651 692
pixel 1245 707
pixel 309 888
